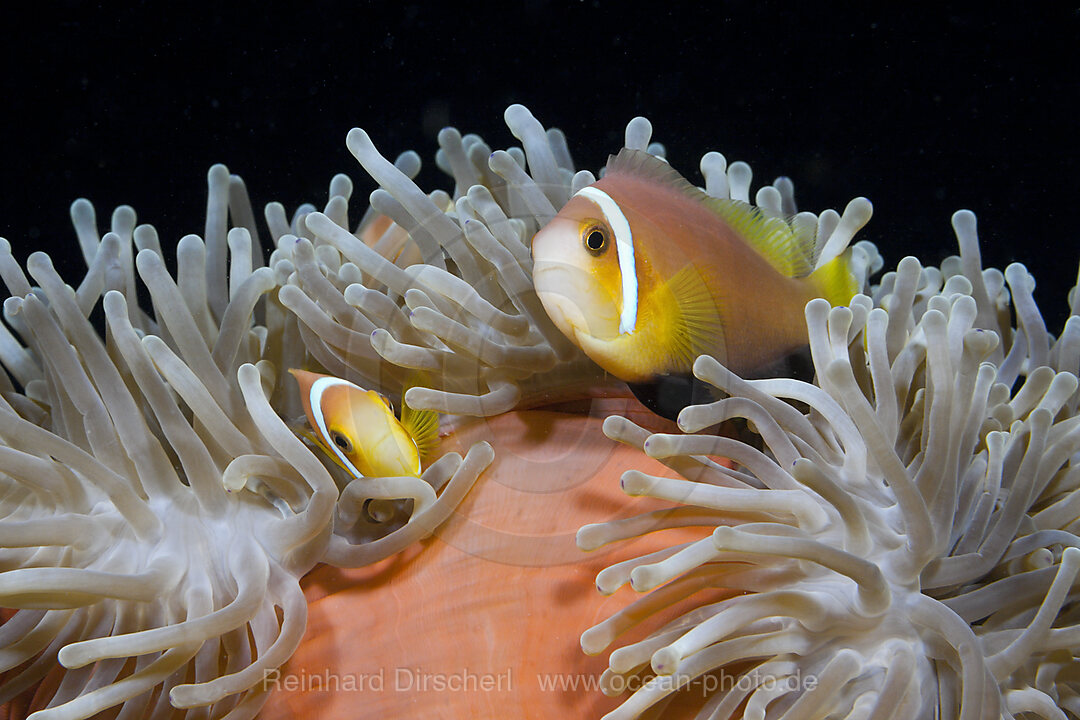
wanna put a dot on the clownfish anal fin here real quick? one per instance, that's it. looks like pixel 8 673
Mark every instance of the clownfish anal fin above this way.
pixel 667 395
pixel 695 326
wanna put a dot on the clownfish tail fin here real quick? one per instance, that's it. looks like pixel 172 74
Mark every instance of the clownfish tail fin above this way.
pixel 835 280
pixel 833 271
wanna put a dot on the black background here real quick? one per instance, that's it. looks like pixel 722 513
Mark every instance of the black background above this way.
pixel 924 111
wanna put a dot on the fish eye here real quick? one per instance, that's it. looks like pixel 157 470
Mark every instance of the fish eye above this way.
pixel 341 441
pixel 595 240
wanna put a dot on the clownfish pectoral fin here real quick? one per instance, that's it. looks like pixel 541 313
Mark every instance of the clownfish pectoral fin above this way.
pixel 422 425
pixel 695 327
pixel 667 395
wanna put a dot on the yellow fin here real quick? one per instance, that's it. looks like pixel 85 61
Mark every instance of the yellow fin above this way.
pixel 422 425
pixel 835 280
pixel 788 249
pixel 696 328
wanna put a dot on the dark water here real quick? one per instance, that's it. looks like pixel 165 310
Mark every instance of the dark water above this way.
pixel 924 113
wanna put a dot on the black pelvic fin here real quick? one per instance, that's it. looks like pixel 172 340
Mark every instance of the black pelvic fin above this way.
pixel 667 395
pixel 796 364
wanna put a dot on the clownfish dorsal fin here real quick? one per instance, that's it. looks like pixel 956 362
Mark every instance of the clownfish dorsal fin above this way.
pixel 645 166
pixel 790 251
pixel 422 425
pixel 696 328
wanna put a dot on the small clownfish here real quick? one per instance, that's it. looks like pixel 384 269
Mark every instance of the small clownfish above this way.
pixel 357 428
pixel 645 272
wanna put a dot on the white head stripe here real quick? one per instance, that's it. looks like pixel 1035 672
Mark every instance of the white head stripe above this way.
pixel 624 246
pixel 315 398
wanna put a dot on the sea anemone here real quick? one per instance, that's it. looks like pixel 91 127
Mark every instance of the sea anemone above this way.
pixel 904 541
pixel 157 511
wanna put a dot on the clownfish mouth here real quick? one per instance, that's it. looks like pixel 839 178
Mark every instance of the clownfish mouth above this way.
pixel 577 308
pixel 566 315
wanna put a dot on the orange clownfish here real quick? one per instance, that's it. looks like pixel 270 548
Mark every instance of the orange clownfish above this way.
pixel 357 428
pixel 644 272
